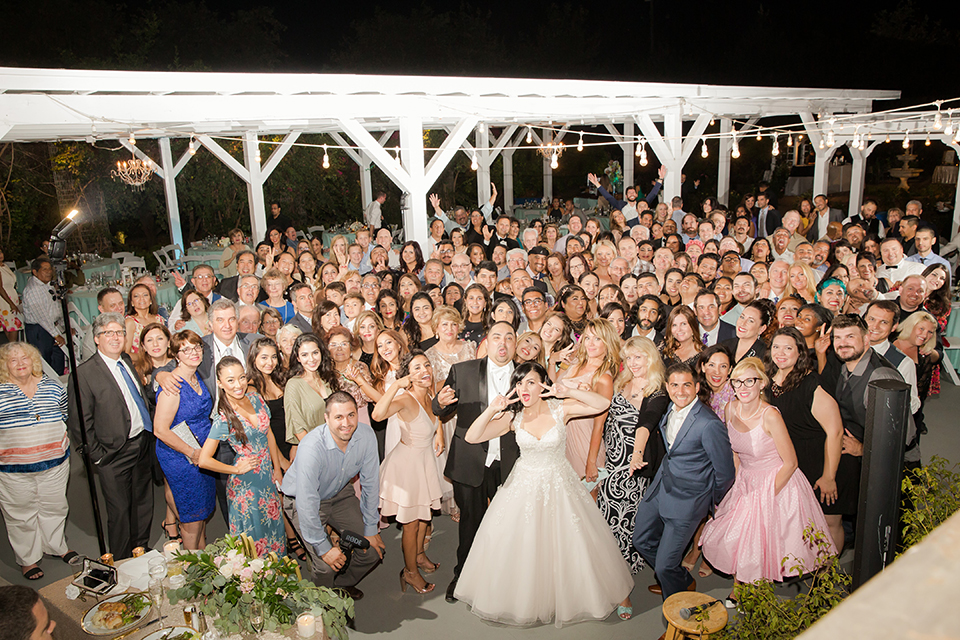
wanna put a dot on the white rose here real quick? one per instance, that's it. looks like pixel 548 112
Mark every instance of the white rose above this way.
pixel 257 565
pixel 226 570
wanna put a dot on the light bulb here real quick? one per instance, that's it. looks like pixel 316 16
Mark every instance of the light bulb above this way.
pixel 789 139
pixel 529 135
pixel 553 162
pixel 326 158
pixel 133 139
pixel 703 150
pixel 639 149
pixel 474 163
pixel 759 137
pixel 830 139
pixel 712 122
pixel 192 148
pixel 643 157
pixel 888 138
pixel 956 135
pixel 937 121
pixel 735 152
pixel 823 144
pixel 906 142
pixel 949 129
pixel 799 138
pixel 580 143
pixel 776 147
pixel 926 142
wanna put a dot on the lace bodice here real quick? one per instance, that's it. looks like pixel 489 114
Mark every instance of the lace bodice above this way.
pixel 549 451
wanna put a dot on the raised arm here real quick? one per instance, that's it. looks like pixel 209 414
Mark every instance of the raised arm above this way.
pixel 577 401
pixel 493 422
pixel 652 196
pixel 390 405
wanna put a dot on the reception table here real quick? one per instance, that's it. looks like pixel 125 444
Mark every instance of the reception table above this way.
pixel 85 298
pixel 211 255
pixel 108 267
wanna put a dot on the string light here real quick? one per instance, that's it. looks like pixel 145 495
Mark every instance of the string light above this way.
pixel 789 139
pixel 926 142
pixel 639 148
pixel 643 152
pixel 580 142
pixel 938 119
pixel 888 138
pixel 529 135
pixel 257 151
pixel 823 144
pixel 776 146
pixel 326 158
pixel 759 137
pixel 906 141
pixel 703 150
pixel 474 163
pixel 553 161
pixel 712 121
pixel 133 139
pixel 191 147
pixel 956 135
pixel 735 150
pixel 799 138
pixel 949 128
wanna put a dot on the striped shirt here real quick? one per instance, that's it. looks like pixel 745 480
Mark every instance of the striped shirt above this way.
pixel 33 432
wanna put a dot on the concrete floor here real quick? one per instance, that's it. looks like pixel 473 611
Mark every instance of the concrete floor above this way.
pixel 386 610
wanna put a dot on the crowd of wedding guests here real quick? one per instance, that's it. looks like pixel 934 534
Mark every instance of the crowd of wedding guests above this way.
pixel 313 391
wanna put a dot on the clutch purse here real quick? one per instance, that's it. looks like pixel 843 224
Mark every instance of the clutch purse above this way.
pixel 602 475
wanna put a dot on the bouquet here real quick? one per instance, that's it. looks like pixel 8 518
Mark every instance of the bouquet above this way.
pixel 227 576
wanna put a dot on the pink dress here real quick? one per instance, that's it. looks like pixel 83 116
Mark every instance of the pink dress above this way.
pixel 409 482
pixel 753 530
pixel 579 432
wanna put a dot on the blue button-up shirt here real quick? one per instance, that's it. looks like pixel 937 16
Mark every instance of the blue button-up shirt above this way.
pixel 321 470
pixel 932 258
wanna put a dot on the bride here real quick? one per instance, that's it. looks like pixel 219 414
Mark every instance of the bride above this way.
pixel 543 552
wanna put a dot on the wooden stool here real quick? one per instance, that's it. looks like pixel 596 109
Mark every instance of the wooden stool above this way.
pixel 678 628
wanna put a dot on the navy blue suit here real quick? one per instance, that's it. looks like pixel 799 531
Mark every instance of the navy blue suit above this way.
pixel 696 472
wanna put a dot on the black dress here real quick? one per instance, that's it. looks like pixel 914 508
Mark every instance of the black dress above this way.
pixel 620 494
pixel 806 434
pixel 474 332
pixel 278 425
pixel 757 350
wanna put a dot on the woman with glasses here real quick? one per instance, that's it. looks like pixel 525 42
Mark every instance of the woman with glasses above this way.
pixel 196 307
pixel 194 490
pixel 355 376
pixel 762 518
pixel 270 323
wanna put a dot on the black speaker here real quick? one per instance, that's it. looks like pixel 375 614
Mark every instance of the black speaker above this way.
pixel 878 515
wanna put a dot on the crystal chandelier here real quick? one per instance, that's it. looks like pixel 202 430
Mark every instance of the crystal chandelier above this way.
pixel 552 151
pixel 134 172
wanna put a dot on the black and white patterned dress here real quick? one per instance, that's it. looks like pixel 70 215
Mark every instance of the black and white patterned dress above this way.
pixel 621 492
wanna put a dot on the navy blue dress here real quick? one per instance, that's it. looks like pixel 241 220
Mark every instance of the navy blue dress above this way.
pixel 194 490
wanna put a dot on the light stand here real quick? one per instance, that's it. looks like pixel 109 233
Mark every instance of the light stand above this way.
pixel 57 252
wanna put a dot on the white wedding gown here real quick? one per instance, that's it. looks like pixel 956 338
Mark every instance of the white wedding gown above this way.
pixel 543 552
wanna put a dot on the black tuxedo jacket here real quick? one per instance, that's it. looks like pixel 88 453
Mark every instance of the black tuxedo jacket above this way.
pixel 726 332
pixel 228 288
pixel 772 222
pixel 106 418
pixel 465 461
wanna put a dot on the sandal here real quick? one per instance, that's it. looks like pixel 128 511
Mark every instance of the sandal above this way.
pixel 71 557
pixel 625 613
pixel 178 537
pixel 33 573
pixel 293 545
pixel 426 566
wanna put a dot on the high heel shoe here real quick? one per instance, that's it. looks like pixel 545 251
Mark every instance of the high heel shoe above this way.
pixel 166 532
pixel 428 587
pixel 427 566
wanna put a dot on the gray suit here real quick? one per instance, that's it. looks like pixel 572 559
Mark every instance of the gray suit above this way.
pixel 301 323
pixel 695 474
pixel 124 463
pixel 813 233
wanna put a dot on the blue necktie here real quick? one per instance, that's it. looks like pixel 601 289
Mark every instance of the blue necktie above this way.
pixel 137 398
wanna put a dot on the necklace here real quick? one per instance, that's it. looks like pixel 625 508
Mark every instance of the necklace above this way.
pixel 633 396
pixel 194 384
pixel 755 413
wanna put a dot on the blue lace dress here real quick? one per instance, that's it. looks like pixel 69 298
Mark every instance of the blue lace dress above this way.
pixel 253 498
pixel 194 490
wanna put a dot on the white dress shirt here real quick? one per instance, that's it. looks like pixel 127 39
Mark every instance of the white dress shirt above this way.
pixel 136 420
pixel 907 369
pixel 898 272
pixel 498 384
pixel 675 421
pixel 221 350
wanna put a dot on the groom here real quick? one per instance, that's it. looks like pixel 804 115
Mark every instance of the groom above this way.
pixel 477 470
pixel 696 472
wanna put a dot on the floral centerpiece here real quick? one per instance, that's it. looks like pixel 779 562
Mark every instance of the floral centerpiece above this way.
pixel 227 576
pixel 356 226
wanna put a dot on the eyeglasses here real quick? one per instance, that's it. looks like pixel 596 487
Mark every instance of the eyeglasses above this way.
pixel 446 251
pixel 203 277
pixel 338 345
pixel 114 333
pixel 749 383
pixel 533 302
pixel 195 348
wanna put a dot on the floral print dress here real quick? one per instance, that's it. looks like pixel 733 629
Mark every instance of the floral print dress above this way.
pixel 254 500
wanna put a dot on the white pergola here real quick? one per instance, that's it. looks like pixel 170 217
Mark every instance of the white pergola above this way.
pixel 361 113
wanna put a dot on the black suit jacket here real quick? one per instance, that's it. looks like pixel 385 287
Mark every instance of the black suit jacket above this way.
pixel 773 220
pixel 465 461
pixel 228 288
pixel 206 370
pixel 813 233
pixel 106 418
pixel 726 331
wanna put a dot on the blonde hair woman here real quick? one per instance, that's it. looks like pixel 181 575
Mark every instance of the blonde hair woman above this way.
pixel 632 443
pixel 604 252
pixel 530 348
pixel 802 281
pixel 596 362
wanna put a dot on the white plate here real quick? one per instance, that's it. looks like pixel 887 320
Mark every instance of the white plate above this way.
pixel 173 632
pixel 87 621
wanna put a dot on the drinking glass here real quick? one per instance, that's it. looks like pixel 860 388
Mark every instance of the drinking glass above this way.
pixel 256 616
pixel 158 568
pixel 156 595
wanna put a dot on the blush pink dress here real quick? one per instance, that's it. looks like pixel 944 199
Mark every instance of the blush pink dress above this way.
pixel 753 530
pixel 579 432
pixel 409 482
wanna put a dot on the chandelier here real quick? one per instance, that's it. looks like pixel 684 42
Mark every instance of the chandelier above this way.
pixel 134 172
pixel 551 151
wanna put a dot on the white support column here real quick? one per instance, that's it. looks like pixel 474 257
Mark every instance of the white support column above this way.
pixel 723 162
pixel 508 198
pixel 170 191
pixel 858 175
pixel 547 171
pixel 628 157
pixel 482 150
pixel 672 148
pixel 411 153
pixel 821 167
pixel 366 180
pixel 672 131
pixel 258 211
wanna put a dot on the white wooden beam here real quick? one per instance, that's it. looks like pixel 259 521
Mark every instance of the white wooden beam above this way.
pixel 170 192
pixel 411 150
pixel 278 153
pixel 629 160
pixel 182 162
pixel 723 162
pixel 225 157
pixel 456 138
pixel 377 153
pixel 353 154
pixel 258 210
pixel 508 199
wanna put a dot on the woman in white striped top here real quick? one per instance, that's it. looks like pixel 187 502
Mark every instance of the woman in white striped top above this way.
pixel 34 459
